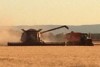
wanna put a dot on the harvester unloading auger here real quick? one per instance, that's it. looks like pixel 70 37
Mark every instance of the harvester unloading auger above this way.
pixel 31 38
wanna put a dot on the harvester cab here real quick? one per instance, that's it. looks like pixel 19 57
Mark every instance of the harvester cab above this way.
pixel 30 36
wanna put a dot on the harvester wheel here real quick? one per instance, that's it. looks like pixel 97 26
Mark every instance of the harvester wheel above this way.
pixel 89 42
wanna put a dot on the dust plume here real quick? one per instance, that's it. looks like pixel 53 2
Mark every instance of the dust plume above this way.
pixel 8 34
pixel 51 37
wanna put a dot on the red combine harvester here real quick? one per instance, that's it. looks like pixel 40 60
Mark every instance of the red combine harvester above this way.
pixel 31 38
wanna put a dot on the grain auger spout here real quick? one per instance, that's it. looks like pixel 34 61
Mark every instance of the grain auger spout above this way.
pixel 55 29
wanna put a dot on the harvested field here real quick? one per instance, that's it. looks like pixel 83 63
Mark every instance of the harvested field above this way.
pixel 50 56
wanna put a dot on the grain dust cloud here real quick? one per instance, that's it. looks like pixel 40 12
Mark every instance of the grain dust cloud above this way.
pixel 7 34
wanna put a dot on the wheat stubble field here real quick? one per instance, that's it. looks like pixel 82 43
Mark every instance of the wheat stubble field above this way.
pixel 50 56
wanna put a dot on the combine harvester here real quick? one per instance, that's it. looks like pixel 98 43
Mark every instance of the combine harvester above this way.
pixel 31 38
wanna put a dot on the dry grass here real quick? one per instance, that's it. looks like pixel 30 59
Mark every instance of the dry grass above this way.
pixel 45 56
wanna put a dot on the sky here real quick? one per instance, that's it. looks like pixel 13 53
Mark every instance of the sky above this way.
pixel 44 12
